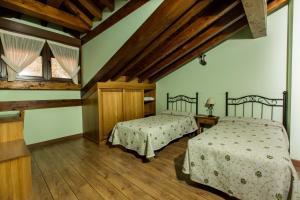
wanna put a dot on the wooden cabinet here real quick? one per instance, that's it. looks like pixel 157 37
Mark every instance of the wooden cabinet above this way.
pixel 133 104
pixel 111 102
pixel 111 109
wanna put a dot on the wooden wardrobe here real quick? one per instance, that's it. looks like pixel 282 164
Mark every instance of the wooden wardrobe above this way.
pixel 110 102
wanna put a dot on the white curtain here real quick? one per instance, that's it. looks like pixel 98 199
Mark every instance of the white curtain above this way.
pixel 19 51
pixel 67 57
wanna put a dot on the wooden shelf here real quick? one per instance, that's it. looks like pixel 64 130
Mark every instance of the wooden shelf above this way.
pixel 149 104
pixel 148 101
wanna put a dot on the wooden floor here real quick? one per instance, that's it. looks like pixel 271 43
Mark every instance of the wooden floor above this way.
pixel 80 169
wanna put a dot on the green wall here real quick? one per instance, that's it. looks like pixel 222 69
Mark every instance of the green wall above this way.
pixel 240 66
pixel 246 66
pixel 46 124
pixel 99 50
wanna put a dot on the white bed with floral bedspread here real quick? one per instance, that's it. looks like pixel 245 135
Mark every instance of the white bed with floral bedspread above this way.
pixel 149 134
pixel 244 157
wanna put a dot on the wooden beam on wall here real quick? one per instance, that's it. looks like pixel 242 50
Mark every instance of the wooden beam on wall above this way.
pixel 10 25
pixel 113 19
pixel 192 30
pixel 256 12
pixel 92 8
pixel 215 29
pixel 46 12
pixel 38 104
pixel 226 34
pixel 195 10
pixel 166 14
pixel 35 85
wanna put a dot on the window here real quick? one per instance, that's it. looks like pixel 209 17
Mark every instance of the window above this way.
pixel 34 69
pixel 57 71
pixel 44 68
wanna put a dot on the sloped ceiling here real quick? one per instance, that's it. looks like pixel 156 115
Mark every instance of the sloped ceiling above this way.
pixel 176 33
pixel 77 15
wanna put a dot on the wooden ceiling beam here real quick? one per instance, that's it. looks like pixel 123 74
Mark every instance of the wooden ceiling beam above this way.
pixel 17 27
pixel 215 29
pixel 110 4
pixel 192 30
pixel 275 5
pixel 92 8
pixel 226 34
pixel 76 11
pixel 55 3
pixel 113 19
pixel 256 12
pixel 165 15
pixel 195 10
pixel 45 12
pixel 158 22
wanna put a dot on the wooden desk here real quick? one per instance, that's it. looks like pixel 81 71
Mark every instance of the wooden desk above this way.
pixel 204 121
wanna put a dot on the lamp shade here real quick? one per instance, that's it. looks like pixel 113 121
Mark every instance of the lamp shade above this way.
pixel 209 102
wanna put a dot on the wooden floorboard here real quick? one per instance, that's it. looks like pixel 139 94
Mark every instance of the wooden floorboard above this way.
pixel 80 169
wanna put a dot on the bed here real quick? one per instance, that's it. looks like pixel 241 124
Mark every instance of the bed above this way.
pixel 147 135
pixel 245 157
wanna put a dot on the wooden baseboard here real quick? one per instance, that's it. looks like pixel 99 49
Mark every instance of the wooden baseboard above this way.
pixel 296 163
pixel 57 140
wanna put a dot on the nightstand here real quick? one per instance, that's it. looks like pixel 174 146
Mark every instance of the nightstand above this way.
pixel 204 121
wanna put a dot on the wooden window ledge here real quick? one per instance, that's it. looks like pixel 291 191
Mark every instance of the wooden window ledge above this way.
pixel 34 85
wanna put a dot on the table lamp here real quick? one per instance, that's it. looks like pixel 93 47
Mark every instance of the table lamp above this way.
pixel 210 106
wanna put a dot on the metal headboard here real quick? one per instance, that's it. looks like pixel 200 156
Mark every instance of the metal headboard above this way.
pixel 182 103
pixel 263 101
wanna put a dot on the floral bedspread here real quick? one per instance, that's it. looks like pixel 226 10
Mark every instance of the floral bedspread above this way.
pixel 245 158
pixel 149 134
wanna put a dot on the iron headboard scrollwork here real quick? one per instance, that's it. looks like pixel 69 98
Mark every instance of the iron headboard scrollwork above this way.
pixel 263 101
pixel 182 103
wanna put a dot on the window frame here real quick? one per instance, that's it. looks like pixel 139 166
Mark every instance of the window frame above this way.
pixel 46 68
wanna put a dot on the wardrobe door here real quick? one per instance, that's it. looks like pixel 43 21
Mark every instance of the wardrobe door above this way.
pixel 111 101
pixel 133 104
